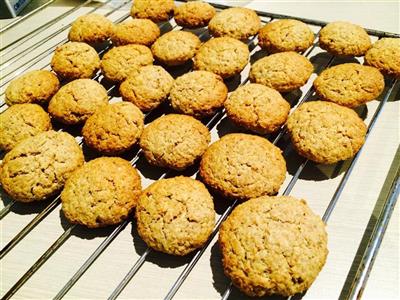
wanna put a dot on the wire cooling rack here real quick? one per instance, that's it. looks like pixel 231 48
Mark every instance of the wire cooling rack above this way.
pixel 32 253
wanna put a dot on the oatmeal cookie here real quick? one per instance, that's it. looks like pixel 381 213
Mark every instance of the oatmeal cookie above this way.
pixel 385 56
pixel 155 10
pixel 135 31
pixel 194 14
pixel 91 28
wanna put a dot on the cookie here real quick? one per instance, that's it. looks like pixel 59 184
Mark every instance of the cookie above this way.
pixel 326 132
pixel 223 56
pixel 243 166
pixel 344 39
pixel 349 84
pixel 135 31
pixel 36 86
pixel 37 168
pixel 385 56
pixel 236 22
pixel 175 215
pixel 118 63
pixel 113 129
pixel 273 246
pixel 285 35
pixel 175 47
pixel 174 141
pixel 20 122
pixel 155 10
pixel 194 14
pixel 198 93
pixel 102 192
pixel 91 28
pixel 284 72
pixel 257 108
pixel 147 88
pixel 78 100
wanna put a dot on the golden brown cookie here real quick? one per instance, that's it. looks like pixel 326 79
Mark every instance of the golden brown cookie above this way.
pixel 236 22
pixel 284 72
pixel 77 100
pixel 285 35
pixel 326 132
pixel 198 93
pixel 349 84
pixel 37 168
pixel 90 28
pixel 114 128
pixel 135 31
pixel 147 88
pixel 100 193
pixel 175 215
pixel 20 122
pixel 175 47
pixel 243 166
pixel 223 56
pixel 36 86
pixel 344 39
pixel 155 10
pixel 194 14
pixel 75 60
pixel 257 108
pixel 385 56
pixel 174 141
pixel 118 63
pixel 273 246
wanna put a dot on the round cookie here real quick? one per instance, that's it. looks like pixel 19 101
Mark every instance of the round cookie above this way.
pixel 37 168
pixel 236 22
pixel 326 132
pixel 257 108
pixel 344 39
pixel 90 28
pixel 114 128
pixel 135 31
pixel 147 88
pixel 243 166
pixel 100 193
pixel 155 10
pixel 223 56
pixel 175 215
pixel 194 14
pixel 198 93
pixel 77 100
pixel 118 63
pixel 285 35
pixel 273 246
pixel 349 84
pixel 36 86
pixel 75 60
pixel 175 47
pixel 174 141
pixel 385 56
pixel 20 122
pixel 284 72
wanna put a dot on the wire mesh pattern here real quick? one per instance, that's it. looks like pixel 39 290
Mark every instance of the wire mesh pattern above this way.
pixel 211 123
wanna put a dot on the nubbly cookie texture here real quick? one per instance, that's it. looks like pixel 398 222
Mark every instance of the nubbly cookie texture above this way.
pixel 174 141
pixel 385 55
pixel 349 84
pixel 37 168
pixel 243 166
pixel 326 132
pixel 175 215
pixel 102 192
pixel 90 28
pixel 78 100
pixel 194 14
pixel 273 246
pixel 155 10
pixel 20 122
pixel 135 31
pixel 37 86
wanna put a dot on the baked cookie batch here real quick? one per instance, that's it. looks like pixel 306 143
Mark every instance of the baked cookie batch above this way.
pixel 271 245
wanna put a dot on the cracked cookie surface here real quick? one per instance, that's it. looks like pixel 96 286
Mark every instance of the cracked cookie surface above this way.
pixel 273 246
pixel 102 192
pixel 194 14
pixel 385 56
pixel 175 215
pixel 135 31
pixel 155 10
pixel 90 28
